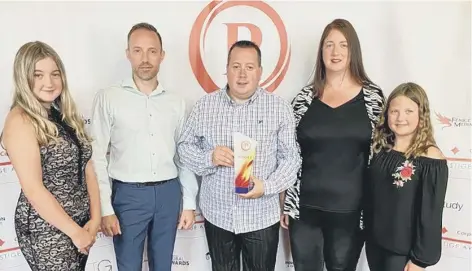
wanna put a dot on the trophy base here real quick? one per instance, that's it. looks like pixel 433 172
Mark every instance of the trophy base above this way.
pixel 242 190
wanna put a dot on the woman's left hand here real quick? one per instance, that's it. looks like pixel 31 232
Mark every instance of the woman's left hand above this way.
pixel 93 226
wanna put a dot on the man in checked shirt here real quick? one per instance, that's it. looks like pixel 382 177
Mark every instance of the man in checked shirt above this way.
pixel 241 222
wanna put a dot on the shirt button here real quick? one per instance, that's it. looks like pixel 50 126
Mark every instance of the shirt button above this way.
pixel 153 154
pixel 154 173
pixel 152 134
pixel 150 115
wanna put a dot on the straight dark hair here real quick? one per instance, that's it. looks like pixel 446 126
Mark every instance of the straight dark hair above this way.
pixel 356 66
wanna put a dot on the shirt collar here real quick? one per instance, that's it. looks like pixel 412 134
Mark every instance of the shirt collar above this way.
pixel 249 101
pixel 129 83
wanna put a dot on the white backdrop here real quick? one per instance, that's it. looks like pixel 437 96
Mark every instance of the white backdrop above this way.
pixel 426 42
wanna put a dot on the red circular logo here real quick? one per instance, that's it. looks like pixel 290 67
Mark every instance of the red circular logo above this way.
pixel 200 28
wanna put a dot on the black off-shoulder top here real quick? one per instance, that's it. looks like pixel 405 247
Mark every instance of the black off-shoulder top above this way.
pixel 405 201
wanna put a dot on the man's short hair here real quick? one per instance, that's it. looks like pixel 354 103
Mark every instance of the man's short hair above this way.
pixel 246 44
pixel 146 26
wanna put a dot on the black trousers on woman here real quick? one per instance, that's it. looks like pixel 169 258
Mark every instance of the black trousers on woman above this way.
pixel 380 259
pixel 258 248
pixel 330 238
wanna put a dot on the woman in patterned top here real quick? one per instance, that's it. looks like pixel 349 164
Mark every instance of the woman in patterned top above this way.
pixel 58 210
pixel 336 116
pixel 407 186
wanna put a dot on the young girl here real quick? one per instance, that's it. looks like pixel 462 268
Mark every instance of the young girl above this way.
pixel 407 185
pixel 58 211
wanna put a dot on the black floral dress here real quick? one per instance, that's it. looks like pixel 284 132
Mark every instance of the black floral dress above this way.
pixel 63 167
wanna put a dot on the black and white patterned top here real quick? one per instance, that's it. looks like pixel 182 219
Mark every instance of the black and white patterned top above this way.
pixel 374 102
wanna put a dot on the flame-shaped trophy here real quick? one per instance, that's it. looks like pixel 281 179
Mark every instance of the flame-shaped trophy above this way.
pixel 244 153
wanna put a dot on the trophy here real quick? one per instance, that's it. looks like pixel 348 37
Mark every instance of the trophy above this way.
pixel 244 153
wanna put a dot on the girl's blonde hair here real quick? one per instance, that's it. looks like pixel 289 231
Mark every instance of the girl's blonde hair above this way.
pixel 23 77
pixel 424 136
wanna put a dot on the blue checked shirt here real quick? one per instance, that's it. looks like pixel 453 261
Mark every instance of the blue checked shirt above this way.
pixel 269 120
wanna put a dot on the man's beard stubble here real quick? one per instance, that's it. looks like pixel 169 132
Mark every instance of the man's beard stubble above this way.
pixel 145 76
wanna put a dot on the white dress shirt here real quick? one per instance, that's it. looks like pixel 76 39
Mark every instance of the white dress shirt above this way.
pixel 141 132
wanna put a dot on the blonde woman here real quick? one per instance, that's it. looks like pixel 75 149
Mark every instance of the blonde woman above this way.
pixel 407 186
pixel 58 210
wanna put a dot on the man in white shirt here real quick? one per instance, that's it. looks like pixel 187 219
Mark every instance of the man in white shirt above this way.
pixel 141 121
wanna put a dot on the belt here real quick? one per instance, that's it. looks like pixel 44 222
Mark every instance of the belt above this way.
pixel 144 183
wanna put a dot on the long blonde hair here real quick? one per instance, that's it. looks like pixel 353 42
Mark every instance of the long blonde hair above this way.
pixel 424 136
pixel 23 78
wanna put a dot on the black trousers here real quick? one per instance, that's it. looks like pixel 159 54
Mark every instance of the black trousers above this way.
pixel 320 238
pixel 259 248
pixel 380 259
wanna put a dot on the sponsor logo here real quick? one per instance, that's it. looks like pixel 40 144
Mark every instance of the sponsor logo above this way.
pixel 245 145
pixel 7 245
pixel 456 206
pixel 179 260
pixel 459 162
pixel 104 265
pixel 457 152
pixel 456 243
pixel 456 122
pixel 10 254
pixel 457 236
pixel 205 19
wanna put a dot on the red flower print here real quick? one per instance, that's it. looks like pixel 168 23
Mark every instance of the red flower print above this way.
pixel 403 173
pixel 406 172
